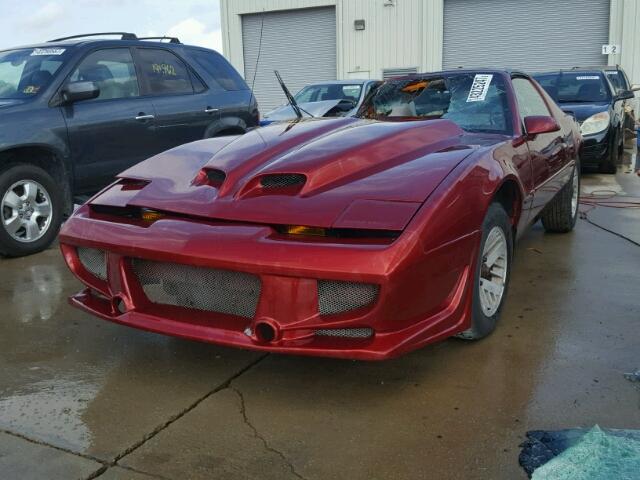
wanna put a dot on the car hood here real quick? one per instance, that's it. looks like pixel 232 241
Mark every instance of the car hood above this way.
pixel 317 109
pixel 357 173
pixel 582 111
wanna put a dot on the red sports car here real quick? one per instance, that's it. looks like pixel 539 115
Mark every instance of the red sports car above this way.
pixel 362 237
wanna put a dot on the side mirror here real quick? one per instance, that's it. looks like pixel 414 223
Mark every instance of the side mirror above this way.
pixel 78 91
pixel 626 94
pixel 537 124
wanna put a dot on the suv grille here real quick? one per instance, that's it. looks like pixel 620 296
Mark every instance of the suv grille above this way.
pixel 338 297
pixel 208 289
pixel 282 180
pixel 94 260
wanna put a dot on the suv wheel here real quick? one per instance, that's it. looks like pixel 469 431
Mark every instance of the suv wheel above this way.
pixel 30 210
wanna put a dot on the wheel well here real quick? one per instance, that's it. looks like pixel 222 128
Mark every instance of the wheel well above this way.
pixel 46 160
pixel 509 196
pixel 229 131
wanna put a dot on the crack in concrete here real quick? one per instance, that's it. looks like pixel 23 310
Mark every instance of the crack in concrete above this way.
pixel 256 434
pixel 183 412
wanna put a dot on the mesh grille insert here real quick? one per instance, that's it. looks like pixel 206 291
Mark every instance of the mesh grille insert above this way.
pixel 208 289
pixel 94 260
pixel 345 332
pixel 338 297
pixel 282 181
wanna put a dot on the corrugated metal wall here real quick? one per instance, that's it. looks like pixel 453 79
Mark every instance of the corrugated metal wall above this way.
pixel 300 44
pixel 533 35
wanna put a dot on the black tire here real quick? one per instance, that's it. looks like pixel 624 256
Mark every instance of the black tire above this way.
pixel 11 247
pixel 610 164
pixel 481 324
pixel 560 216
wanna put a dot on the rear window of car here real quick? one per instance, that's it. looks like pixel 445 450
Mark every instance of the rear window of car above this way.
pixel 575 87
pixel 329 91
pixel 164 72
pixel 476 102
pixel 221 72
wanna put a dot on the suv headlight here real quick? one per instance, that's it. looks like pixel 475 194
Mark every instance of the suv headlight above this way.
pixel 595 123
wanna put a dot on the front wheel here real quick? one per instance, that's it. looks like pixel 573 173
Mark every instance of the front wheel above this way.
pixel 561 214
pixel 492 272
pixel 30 210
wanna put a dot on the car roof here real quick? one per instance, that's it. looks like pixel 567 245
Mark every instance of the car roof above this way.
pixel 341 82
pixel 495 71
pixel 571 70
pixel 109 42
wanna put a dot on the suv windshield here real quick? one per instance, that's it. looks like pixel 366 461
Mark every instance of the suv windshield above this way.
pixel 25 73
pixel 330 91
pixel 476 102
pixel 575 87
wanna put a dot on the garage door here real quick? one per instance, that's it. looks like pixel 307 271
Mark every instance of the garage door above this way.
pixel 534 35
pixel 300 44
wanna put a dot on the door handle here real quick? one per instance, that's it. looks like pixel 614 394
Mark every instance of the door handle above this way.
pixel 141 117
pixel 211 110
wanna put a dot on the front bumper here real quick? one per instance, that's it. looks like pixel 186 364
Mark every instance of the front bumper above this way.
pixel 423 296
pixel 595 149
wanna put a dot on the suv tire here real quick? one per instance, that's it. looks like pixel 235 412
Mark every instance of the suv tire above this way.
pixel 30 210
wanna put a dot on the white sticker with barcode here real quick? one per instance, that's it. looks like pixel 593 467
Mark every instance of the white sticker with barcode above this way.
pixel 480 87
pixel 588 77
pixel 47 51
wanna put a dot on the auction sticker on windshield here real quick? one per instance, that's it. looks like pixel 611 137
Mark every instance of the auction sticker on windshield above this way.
pixel 47 51
pixel 588 77
pixel 480 87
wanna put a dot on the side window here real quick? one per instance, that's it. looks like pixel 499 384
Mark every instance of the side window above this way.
pixel 529 100
pixel 113 72
pixel 220 70
pixel 165 74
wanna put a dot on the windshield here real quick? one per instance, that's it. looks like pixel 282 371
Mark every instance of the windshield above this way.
pixel 575 87
pixel 330 91
pixel 25 73
pixel 476 102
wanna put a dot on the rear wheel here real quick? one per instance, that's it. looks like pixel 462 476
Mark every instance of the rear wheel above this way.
pixel 493 269
pixel 561 214
pixel 30 210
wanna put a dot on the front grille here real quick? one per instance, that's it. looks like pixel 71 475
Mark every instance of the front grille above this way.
pixel 339 297
pixel 94 260
pixel 345 332
pixel 282 180
pixel 208 289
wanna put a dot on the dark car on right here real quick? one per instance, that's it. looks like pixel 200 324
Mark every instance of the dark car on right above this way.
pixel 599 108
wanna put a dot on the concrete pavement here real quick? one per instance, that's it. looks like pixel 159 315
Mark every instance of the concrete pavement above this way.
pixel 83 398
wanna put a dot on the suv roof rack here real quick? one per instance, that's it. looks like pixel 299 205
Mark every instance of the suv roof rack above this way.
pixel 171 39
pixel 123 36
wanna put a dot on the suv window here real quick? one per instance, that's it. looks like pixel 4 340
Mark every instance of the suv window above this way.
pixel 223 74
pixel 530 102
pixel 111 70
pixel 165 73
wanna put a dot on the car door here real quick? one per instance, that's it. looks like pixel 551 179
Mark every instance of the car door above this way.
pixel 183 109
pixel 547 151
pixel 113 131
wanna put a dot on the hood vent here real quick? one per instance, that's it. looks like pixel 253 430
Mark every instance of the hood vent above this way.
pixel 216 177
pixel 283 180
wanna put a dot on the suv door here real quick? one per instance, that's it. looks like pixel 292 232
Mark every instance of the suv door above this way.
pixel 183 112
pixel 547 151
pixel 113 131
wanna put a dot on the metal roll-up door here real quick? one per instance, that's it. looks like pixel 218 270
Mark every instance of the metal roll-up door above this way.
pixel 533 36
pixel 300 44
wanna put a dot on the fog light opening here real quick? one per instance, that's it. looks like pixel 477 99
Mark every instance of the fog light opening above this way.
pixel 265 332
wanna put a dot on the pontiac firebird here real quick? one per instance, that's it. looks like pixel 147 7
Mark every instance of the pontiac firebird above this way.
pixel 363 237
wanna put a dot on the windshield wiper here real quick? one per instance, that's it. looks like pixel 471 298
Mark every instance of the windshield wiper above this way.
pixel 292 101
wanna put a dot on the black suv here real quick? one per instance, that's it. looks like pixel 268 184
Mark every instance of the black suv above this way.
pixel 77 110
pixel 598 106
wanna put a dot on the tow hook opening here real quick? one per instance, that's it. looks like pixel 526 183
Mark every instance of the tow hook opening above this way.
pixel 265 332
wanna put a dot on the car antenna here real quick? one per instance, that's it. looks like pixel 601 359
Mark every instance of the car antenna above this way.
pixel 292 101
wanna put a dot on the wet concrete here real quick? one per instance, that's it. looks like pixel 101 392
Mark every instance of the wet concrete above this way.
pixel 117 403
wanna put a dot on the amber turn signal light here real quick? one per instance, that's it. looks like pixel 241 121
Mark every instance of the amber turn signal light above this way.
pixel 302 230
pixel 150 215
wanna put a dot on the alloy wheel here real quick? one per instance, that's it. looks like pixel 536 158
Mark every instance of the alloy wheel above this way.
pixel 26 211
pixel 493 271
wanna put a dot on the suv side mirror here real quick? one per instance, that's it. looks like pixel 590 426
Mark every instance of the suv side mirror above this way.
pixel 537 124
pixel 625 95
pixel 78 91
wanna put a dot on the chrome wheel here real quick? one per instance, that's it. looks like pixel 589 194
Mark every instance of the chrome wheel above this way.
pixel 575 193
pixel 493 271
pixel 26 211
